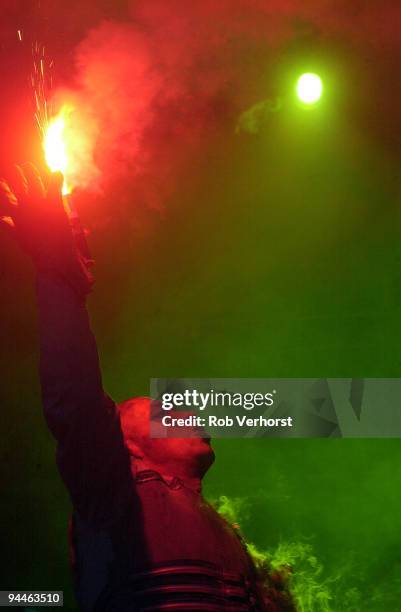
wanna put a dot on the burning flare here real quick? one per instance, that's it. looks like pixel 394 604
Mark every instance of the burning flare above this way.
pixel 55 147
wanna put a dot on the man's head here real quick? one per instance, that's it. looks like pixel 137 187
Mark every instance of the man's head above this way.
pixel 188 457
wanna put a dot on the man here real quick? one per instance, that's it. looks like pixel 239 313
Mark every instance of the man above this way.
pixel 142 536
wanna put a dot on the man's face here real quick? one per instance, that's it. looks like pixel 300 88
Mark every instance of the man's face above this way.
pixel 181 456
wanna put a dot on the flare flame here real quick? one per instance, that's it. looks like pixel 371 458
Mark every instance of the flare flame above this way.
pixel 55 146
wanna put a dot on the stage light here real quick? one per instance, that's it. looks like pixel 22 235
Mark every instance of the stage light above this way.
pixel 309 88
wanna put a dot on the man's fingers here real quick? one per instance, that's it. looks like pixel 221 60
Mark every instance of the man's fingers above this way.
pixel 34 182
pixel 18 182
pixel 7 226
pixel 8 201
pixel 54 189
pixel 7 221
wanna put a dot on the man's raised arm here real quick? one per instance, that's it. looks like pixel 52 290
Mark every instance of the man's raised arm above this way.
pixel 90 450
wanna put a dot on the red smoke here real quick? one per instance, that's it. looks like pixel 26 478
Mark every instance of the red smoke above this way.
pixel 153 87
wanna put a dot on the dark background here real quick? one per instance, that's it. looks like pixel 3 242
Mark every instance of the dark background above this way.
pixel 225 254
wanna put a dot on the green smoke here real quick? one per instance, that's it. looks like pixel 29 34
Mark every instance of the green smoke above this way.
pixel 311 590
pixel 255 117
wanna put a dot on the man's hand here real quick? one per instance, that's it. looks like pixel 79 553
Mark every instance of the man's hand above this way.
pixel 37 219
pixel 36 216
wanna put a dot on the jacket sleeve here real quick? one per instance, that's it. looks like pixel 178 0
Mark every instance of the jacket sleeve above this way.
pixel 91 455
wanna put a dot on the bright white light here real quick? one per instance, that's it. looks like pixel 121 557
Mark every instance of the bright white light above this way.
pixel 309 88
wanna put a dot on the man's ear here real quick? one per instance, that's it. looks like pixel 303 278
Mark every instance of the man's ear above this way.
pixel 134 448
